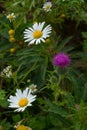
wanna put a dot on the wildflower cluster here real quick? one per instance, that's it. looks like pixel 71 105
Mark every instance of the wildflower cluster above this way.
pixel 43 44
pixel 7 72
pixel 11 33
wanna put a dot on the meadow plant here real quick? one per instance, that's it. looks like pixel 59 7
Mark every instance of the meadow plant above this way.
pixel 43 65
pixel 61 59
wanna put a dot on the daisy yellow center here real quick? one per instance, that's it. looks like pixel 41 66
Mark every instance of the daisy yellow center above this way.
pixel 32 88
pixel 47 7
pixel 23 102
pixel 10 17
pixel 37 34
pixel 22 127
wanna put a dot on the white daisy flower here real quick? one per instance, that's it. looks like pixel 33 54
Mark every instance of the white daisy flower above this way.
pixel 32 88
pixel 11 17
pixel 47 6
pixel 21 100
pixel 37 34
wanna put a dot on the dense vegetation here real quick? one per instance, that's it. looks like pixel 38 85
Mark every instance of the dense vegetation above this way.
pixel 55 66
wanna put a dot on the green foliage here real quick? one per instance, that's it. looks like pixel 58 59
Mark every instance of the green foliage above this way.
pixel 3 100
pixel 6 125
pixel 84 34
pixel 61 101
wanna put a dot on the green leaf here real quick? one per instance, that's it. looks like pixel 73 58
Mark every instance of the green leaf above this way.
pixel 56 109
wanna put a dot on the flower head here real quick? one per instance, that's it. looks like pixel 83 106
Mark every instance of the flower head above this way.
pixel 1 128
pixel 7 72
pixel 32 88
pixel 47 6
pixel 22 127
pixel 63 16
pixel 48 41
pixel 36 34
pixel 61 59
pixel 12 50
pixel 11 17
pixel 21 100
pixel 12 39
pixel 11 32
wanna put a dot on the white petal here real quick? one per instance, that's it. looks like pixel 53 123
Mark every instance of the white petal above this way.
pixel 25 92
pixel 31 29
pixel 41 26
pixel 32 42
pixel 42 39
pixel 19 93
pixel 35 26
pixel 37 41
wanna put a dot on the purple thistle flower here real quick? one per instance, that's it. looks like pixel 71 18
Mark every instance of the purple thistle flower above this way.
pixel 61 59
